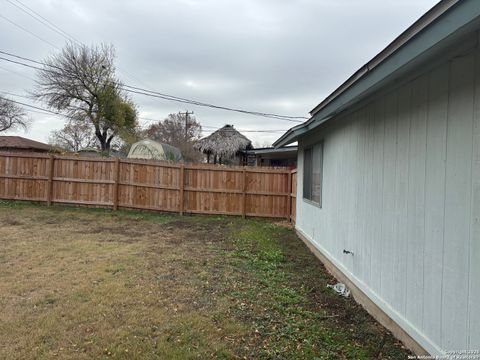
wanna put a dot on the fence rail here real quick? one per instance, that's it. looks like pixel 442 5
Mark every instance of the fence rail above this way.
pixel 148 185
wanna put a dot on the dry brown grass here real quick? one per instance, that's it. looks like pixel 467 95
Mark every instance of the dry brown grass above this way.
pixel 84 284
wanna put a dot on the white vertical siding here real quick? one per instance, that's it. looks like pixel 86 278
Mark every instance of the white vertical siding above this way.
pixel 376 252
pixel 436 147
pixel 401 225
pixel 415 239
pixel 387 239
pixel 458 203
pixel 474 287
pixel 401 190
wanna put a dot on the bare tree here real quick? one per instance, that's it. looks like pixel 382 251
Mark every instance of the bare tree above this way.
pixel 80 82
pixel 12 116
pixel 180 132
pixel 74 136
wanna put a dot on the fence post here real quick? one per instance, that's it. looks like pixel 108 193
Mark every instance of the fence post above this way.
pixel 116 178
pixel 51 161
pixel 244 193
pixel 289 197
pixel 182 187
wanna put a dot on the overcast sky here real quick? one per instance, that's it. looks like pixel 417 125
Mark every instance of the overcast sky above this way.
pixel 278 56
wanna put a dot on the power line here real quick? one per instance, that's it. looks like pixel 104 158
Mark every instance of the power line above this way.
pixel 28 31
pixel 44 21
pixel 212 128
pixel 13 94
pixel 198 103
pixel 40 110
pixel 23 64
pixel 155 94
pixel 30 60
pixel 35 15
pixel 38 107
pixel 132 89
pixel 34 107
pixel 32 67
pixel 43 111
pixel 17 73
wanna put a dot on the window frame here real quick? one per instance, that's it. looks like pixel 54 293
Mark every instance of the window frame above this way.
pixel 310 149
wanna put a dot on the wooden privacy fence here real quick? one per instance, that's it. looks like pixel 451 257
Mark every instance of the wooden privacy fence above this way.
pixel 149 185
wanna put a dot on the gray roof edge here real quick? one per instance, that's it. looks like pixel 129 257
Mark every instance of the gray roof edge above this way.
pixel 270 150
pixel 423 22
pixel 399 44
pixel 292 134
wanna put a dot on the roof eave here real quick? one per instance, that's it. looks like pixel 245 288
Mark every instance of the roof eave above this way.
pixel 294 133
pixel 380 69
pixel 423 22
pixel 289 137
pixel 272 150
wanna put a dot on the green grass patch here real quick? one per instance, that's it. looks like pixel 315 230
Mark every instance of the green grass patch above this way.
pixel 278 299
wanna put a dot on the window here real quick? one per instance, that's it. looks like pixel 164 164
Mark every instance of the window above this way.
pixel 312 173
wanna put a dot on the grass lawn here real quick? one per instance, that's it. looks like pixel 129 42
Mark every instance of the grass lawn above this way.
pixel 90 283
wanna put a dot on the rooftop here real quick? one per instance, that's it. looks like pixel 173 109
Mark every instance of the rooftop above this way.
pixel 18 142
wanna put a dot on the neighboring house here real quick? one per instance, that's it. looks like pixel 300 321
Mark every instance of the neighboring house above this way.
pixel 225 146
pixel 21 144
pixel 152 150
pixel 389 181
pixel 269 156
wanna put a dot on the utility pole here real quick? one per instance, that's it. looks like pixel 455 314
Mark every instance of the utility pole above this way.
pixel 186 113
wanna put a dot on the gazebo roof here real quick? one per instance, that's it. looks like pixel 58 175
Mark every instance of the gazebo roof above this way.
pixel 225 142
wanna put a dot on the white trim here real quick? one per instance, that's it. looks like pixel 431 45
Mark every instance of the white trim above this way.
pixel 425 342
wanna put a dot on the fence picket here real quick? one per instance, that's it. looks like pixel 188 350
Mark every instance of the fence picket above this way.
pixel 152 185
pixel 182 189
pixel 51 164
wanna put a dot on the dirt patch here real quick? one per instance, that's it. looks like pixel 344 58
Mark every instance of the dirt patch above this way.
pixel 11 221
pixel 120 233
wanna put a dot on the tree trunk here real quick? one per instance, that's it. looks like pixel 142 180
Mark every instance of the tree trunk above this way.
pixel 109 141
pixel 104 144
pixel 102 138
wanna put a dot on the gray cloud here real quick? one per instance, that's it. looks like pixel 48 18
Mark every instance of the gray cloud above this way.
pixel 272 56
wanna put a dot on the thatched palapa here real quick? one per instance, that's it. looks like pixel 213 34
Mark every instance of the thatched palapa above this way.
pixel 226 144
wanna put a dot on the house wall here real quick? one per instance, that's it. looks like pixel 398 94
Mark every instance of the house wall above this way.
pixel 272 160
pixel 401 190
